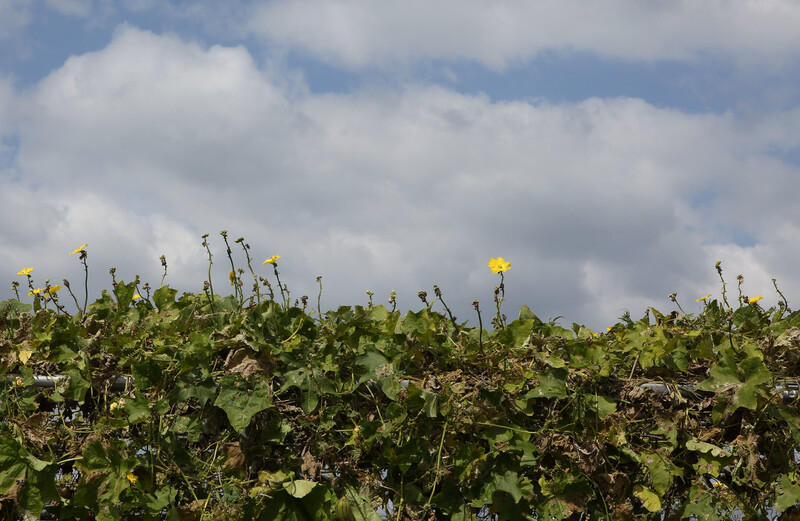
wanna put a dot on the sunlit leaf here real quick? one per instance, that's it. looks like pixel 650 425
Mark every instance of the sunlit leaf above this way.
pixel 648 498
pixel 299 488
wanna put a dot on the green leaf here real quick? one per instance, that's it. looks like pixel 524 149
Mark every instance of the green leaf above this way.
pixel 138 408
pixel 525 313
pixel 787 493
pixel 360 504
pixel 747 397
pixel 241 403
pixel 552 384
pixel 146 374
pixel 309 401
pixel 375 364
pixel 722 375
pixel 191 426
pixel 299 488
pixel 516 333
pixel 508 482
pixel 649 499
pixel 13 466
pixel 124 293
pixel 605 406
pixel 78 386
pixel 421 399
pixel 661 470
pixel 105 480
pixel 14 308
pixel 164 297
pixel 754 371
pixel 196 384
pixel 160 499
pixel 696 445
pixel 747 318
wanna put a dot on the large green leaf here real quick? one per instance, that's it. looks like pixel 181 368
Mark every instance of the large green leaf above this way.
pixel 124 293
pixel 241 401
pixel 787 493
pixel 552 384
pixel 164 297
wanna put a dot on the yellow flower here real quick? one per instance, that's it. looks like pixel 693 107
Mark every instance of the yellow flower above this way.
pixel 232 277
pixel 18 382
pixel 113 407
pixel 25 272
pixel 53 289
pixel 498 265
pixel 703 299
pixel 79 249
pixel 272 260
pixel 755 299
pixel 133 478
pixel 35 291
pixel 136 296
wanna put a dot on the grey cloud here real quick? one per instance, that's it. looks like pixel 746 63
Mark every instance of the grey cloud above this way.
pixel 360 34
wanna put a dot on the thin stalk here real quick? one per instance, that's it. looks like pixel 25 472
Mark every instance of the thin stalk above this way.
pixel 480 325
pixel 163 263
pixel 319 297
pixel 237 290
pixel 284 298
pixel 85 281
pixel 246 248
pixel 438 293
pixel 438 464
pixel 210 262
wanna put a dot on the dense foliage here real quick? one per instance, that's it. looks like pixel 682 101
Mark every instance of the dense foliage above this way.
pixel 239 409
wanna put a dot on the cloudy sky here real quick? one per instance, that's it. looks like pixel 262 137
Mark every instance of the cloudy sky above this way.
pixel 612 152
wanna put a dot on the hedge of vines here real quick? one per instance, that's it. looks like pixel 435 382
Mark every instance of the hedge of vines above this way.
pixel 263 411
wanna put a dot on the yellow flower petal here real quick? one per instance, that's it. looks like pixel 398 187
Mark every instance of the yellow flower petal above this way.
pixel 79 249
pixel 25 272
pixel 272 260
pixel 136 296
pixel 499 265
pixel 755 299
pixel 133 478
pixel 232 277
pixel 703 299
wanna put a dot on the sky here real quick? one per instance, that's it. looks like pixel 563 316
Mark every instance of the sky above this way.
pixel 612 152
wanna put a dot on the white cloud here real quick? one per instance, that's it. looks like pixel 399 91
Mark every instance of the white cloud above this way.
pixel 14 15
pixel 81 8
pixel 359 33
pixel 607 204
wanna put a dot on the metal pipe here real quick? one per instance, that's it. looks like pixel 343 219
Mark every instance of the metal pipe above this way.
pixel 119 383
